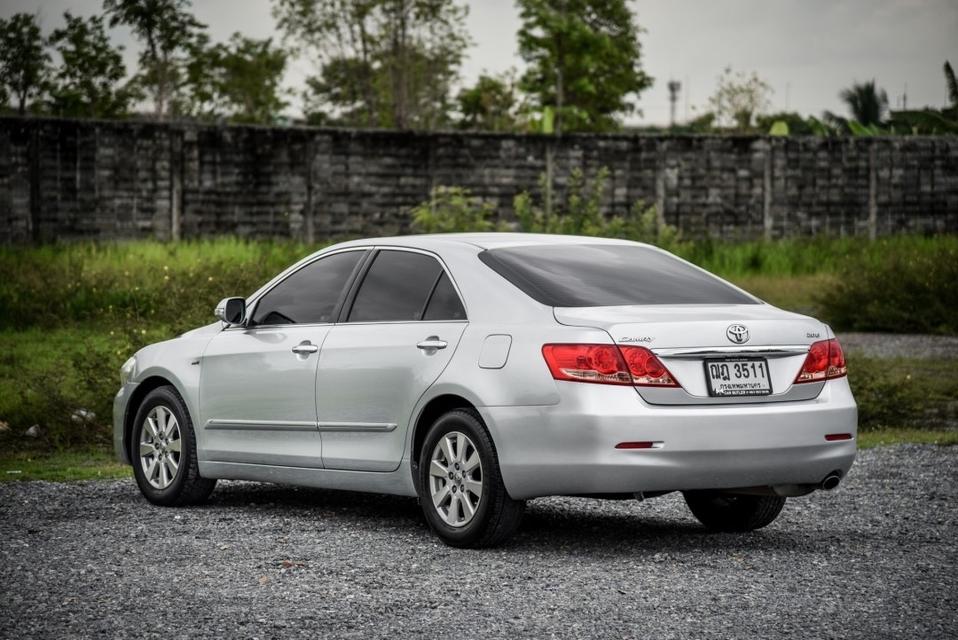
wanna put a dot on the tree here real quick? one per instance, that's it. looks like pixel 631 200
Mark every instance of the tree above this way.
pixel 489 105
pixel 739 98
pixel 168 31
pixel 387 63
pixel 583 61
pixel 89 80
pixel 24 62
pixel 952 88
pixel 867 104
pixel 247 75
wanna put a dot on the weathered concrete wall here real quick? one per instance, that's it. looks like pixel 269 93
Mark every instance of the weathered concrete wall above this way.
pixel 68 179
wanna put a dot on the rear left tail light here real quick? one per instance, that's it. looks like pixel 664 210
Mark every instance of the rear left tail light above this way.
pixel 607 364
pixel 825 361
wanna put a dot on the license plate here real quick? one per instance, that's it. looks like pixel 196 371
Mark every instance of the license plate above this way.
pixel 738 377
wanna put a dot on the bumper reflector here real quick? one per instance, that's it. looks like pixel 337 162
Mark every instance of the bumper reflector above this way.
pixel 832 437
pixel 639 445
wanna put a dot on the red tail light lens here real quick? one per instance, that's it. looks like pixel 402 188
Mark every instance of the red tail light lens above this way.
pixel 825 361
pixel 646 369
pixel 586 363
pixel 606 364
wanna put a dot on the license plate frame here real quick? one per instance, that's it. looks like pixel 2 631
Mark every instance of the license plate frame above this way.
pixel 765 390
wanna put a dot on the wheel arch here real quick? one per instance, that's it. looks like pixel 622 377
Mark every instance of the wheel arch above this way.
pixel 136 399
pixel 431 412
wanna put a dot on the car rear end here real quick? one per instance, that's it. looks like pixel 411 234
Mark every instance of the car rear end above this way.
pixel 698 386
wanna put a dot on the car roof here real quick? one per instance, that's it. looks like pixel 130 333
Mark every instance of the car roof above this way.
pixel 482 240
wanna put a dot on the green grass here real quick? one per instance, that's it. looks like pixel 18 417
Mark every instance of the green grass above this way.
pixel 70 314
pixel 149 283
pixel 805 256
pixel 887 437
pixel 92 464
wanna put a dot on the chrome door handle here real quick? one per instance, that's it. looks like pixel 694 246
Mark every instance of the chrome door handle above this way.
pixel 432 342
pixel 305 348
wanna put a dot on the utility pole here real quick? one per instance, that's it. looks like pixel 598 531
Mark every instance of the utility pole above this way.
pixel 674 87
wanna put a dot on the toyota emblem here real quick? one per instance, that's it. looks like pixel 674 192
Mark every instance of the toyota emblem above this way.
pixel 737 333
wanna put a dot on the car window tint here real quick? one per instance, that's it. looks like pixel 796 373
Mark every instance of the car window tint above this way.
pixel 310 295
pixel 395 287
pixel 444 303
pixel 599 275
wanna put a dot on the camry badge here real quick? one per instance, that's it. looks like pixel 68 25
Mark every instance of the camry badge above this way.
pixel 737 333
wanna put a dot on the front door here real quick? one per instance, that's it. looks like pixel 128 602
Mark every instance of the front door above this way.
pixel 258 383
pixel 400 333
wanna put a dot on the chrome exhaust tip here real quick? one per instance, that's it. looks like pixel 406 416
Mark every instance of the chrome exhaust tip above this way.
pixel 831 481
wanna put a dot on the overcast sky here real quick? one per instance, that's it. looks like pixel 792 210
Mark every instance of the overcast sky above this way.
pixel 807 50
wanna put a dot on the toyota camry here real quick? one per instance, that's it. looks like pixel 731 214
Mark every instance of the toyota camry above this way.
pixel 478 371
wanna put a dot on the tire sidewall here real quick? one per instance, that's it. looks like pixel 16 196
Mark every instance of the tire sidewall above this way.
pixel 166 397
pixel 465 423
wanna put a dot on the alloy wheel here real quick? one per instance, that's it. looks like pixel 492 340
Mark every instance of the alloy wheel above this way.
pixel 160 447
pixel 455 479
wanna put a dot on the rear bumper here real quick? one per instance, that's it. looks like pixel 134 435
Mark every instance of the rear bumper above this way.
pixel 569 448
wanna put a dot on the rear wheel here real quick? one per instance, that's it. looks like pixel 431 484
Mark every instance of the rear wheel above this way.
pixel 733 512
pixel 164 451
pixel 460 487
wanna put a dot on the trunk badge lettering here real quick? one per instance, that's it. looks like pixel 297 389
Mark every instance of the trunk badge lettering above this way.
pixel 646 339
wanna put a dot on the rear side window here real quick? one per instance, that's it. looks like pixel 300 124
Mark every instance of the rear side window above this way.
pixel 310 295
pixel 444 303
pixel 396 287
pixel 600 275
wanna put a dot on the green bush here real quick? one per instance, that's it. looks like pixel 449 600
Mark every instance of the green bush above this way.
pixel 578 212
pixel 453 210
pixel 63 381
pixel 906 291
pixel 899 392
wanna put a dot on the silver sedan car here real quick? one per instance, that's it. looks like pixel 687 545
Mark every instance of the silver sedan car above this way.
pixel 477 371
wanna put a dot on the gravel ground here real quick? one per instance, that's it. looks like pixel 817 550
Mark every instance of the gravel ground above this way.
pixel 894 345
pixel 876 558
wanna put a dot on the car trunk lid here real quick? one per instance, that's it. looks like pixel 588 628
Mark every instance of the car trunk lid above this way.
pixel 687 338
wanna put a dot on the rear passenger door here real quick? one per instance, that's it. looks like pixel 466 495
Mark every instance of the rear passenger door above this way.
pixel 397 333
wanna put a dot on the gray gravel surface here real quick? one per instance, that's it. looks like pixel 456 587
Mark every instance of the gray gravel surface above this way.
pixel 896 345
pixel 876 558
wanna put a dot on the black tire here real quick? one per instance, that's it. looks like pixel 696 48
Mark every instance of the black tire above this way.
pixel 497 516
pixel 187 486
pixel 733 512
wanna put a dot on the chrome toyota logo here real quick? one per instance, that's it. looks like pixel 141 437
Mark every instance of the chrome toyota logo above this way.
pixel 737 333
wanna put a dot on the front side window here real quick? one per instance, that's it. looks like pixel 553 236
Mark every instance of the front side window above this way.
pixel 396 288
pixel 310 295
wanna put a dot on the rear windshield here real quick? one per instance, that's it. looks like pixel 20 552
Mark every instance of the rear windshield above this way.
pixel 601 275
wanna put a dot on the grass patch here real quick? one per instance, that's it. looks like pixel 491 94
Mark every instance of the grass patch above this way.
pixel 857 284
pixel 887 437
pixel 134 282
pixel 797 293
pixel 71 314
pixel 92 464
pixel 904 392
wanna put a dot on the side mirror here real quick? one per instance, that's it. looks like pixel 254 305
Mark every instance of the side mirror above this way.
pixel 231 310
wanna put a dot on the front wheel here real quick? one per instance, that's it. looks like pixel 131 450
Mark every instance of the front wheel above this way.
pixel 164 451
pixel 460 487
pixel 733 512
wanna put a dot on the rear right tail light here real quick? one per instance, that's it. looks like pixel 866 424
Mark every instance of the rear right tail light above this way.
pixel 607 364
pixel 825 361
